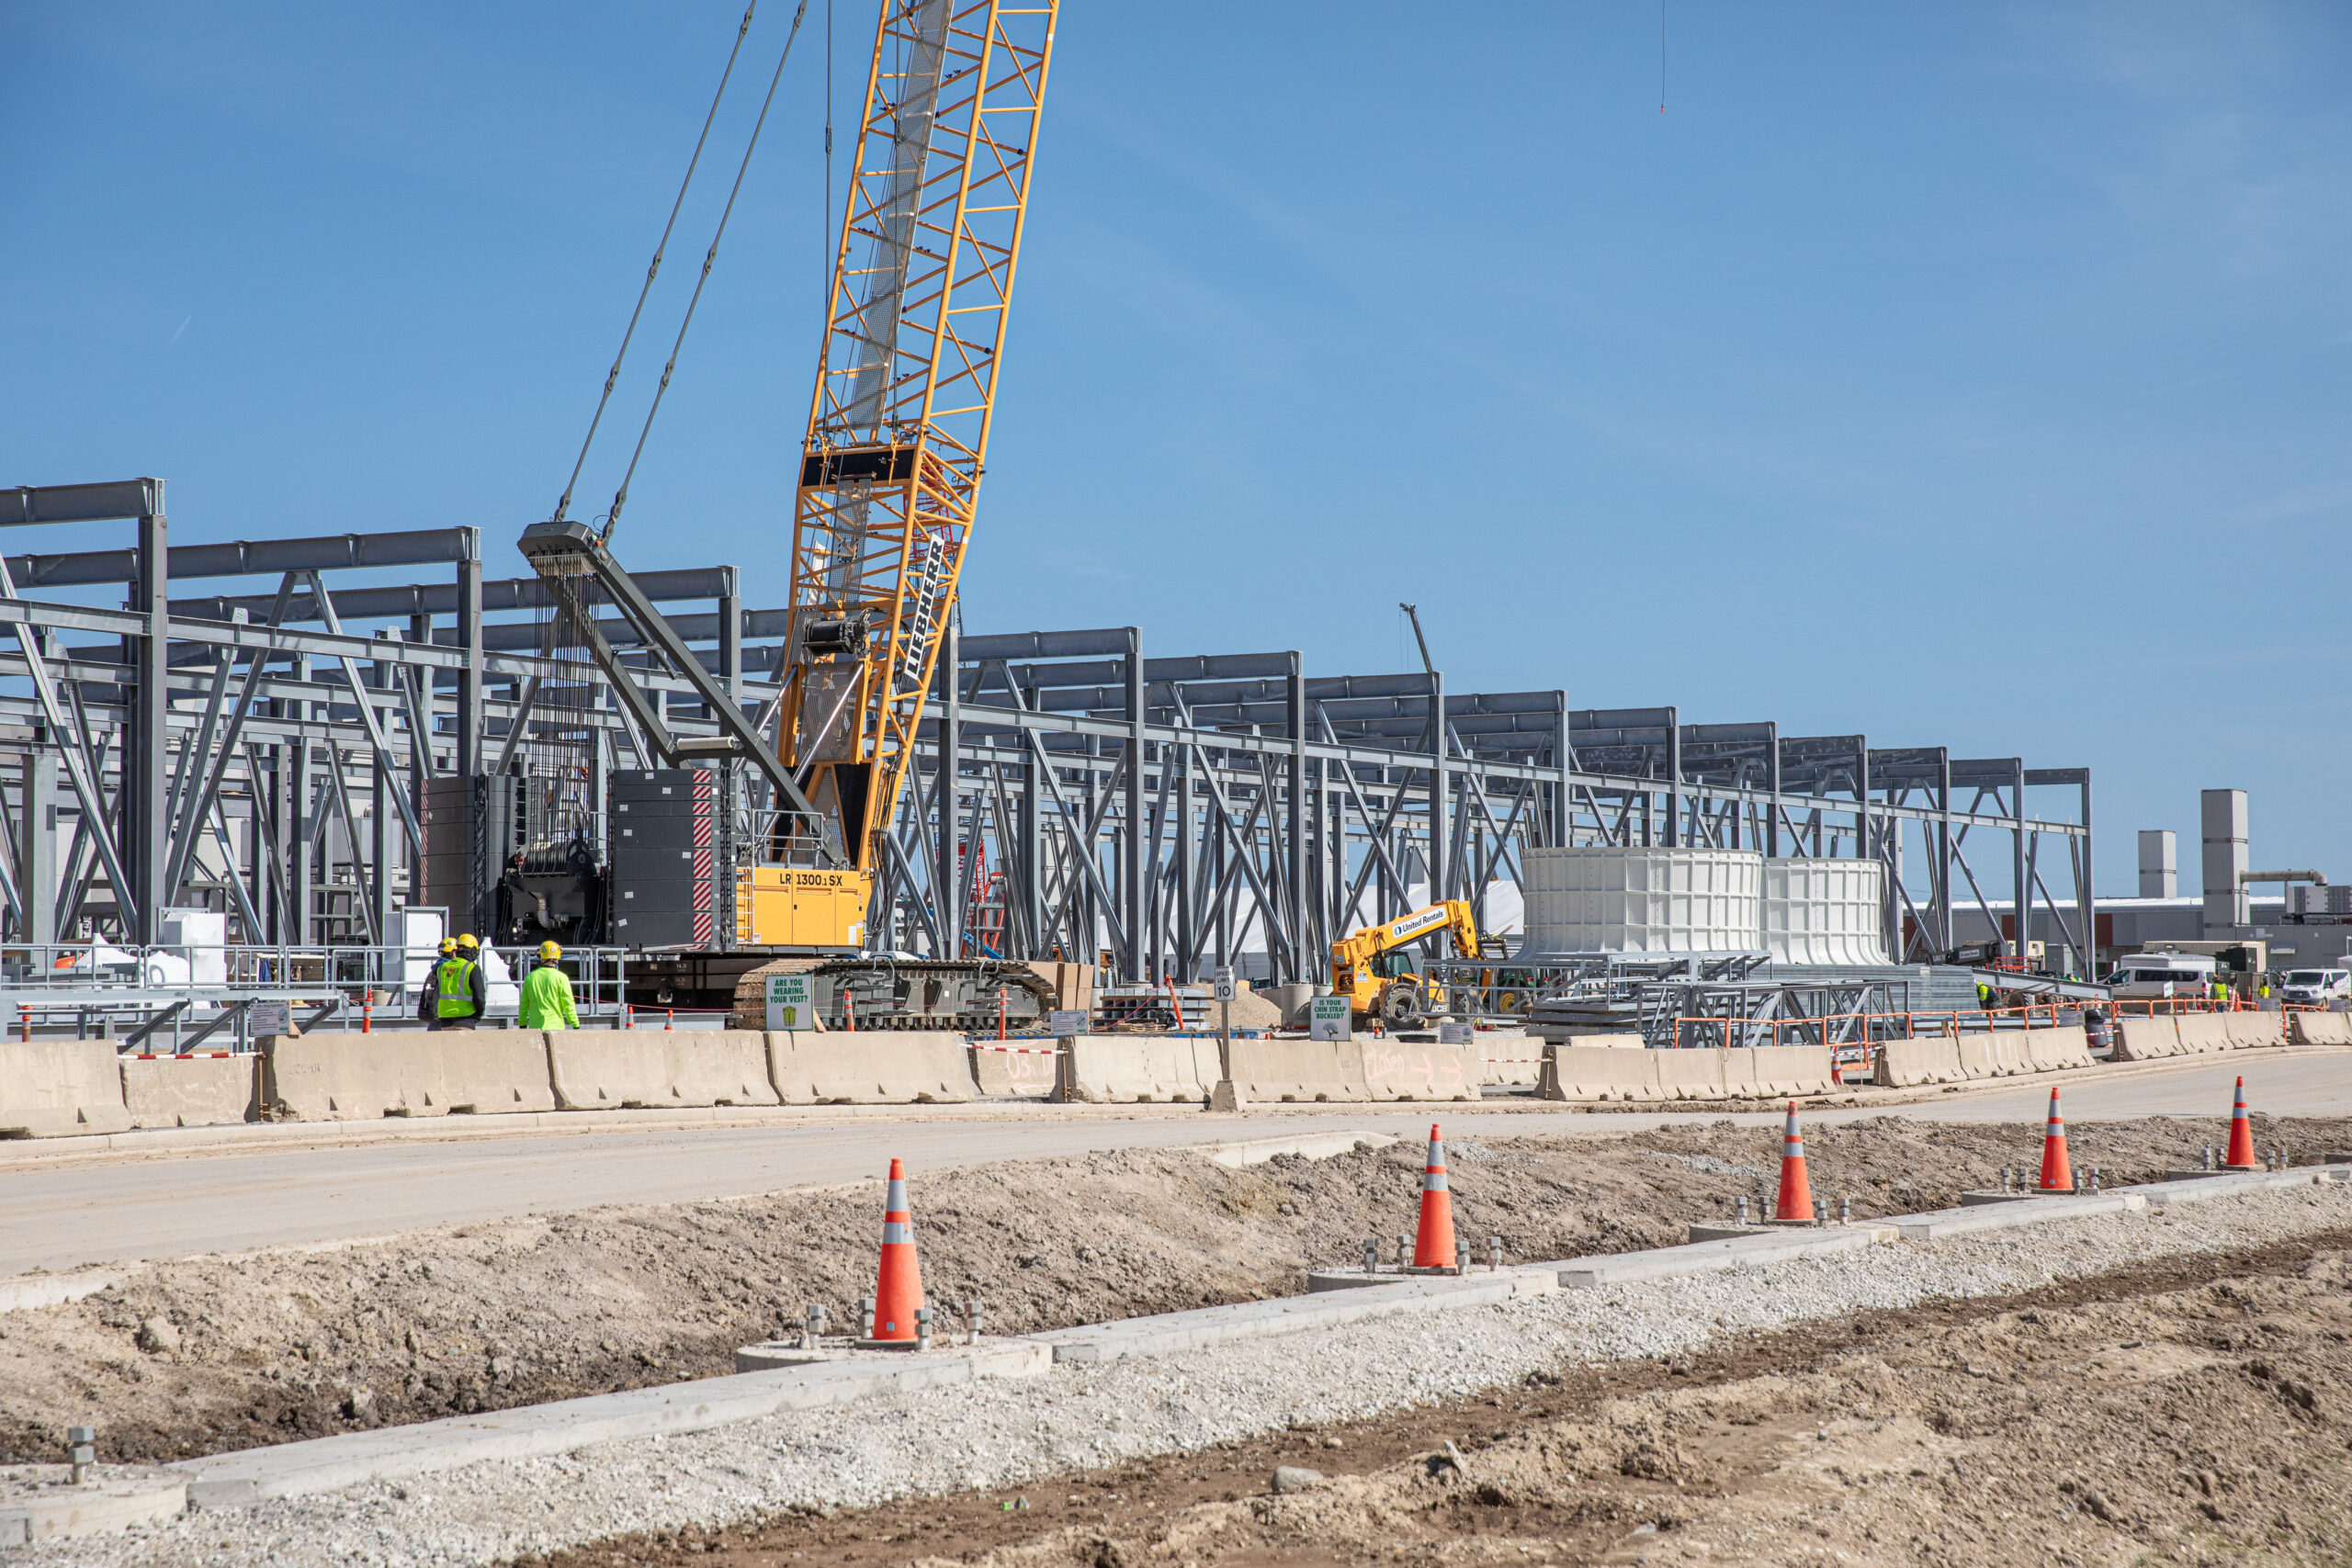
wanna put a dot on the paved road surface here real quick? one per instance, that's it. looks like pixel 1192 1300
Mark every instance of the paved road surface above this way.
pixel 63 1214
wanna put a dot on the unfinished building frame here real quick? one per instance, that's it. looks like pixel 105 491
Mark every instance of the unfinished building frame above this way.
pixel 253 753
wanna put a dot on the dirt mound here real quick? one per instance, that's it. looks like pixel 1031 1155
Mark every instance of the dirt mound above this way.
pixel 205 1354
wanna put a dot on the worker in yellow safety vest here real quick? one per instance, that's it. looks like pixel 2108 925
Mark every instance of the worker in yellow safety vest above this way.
pixel 455 995
pixel 547 994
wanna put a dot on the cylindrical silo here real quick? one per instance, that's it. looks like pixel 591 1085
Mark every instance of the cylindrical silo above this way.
pixel 1599 898
pixel 1824 911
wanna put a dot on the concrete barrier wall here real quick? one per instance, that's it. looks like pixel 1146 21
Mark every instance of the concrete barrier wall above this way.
pixel 1120 1069
pixel 2202 1032
pixel 493 1072
pixel 361 1077
pixel 1275 1070
pixel 52 1088
pixel 191 1092
pixel 2145 1038
pixel 1688 1075
pixel 1908 1063
pixel 1595 1072
pixel 1779 1071
pixel 1029 1072
pixel 2251 1031
pixel 1978 1057
pixel 2321 1028
pixel 1591 1073
pixel 358 1077
pixel 1509 1061
pixel 871 1067
pixel 2054 1050
pixel 604 1069
pixel 1397 1070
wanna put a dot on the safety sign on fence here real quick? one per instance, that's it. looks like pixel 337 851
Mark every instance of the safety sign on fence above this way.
pixel 788 1004
pixel 1067 1025
pixel 1326 1018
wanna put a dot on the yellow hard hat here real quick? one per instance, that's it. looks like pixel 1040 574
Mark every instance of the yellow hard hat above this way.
pixel 467 941
pixel 448 946
pixel 549 953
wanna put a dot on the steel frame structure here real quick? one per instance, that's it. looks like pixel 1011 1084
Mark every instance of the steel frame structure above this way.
pixel 251 753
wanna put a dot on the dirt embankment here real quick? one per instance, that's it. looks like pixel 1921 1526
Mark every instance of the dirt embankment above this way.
pixel 2194 1410
pixel 203 1355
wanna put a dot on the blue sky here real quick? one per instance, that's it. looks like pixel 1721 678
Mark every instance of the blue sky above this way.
pixel 1965 375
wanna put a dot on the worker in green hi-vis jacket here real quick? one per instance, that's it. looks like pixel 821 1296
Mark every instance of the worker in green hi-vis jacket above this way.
pixel 547 994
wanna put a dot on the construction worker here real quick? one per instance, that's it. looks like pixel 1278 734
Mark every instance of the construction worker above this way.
pixel 455 996
pixel 426 993
pixel 547 994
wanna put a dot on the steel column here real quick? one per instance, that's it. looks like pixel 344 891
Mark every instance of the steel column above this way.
pixel 470 641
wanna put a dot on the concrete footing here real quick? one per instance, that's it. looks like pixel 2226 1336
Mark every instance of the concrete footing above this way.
pixel 1389 1274
pixel 988 1358
pixel 41 1502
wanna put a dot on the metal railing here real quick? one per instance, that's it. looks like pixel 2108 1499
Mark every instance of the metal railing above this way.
pixel 188 994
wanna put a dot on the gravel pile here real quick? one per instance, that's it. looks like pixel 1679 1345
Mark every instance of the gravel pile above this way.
pixel 1002 1435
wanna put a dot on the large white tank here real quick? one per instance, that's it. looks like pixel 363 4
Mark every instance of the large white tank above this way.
pixel 1824 911
pixel 1599 898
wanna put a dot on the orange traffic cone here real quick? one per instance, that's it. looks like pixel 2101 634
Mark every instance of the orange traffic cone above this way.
pixel 2057 1176
pixel 898 1293
pixel 1433 1243
pixel 2241 1155
pixel 1796 1191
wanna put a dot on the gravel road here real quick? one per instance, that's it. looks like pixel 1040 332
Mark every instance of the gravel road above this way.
pixel 1011 1435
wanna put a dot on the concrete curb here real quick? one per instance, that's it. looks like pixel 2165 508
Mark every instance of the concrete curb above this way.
pixel 1168 1333
pixel 1937 1223
pixel 1308 1145
pixel 2164 1194
pixel 1704 1256
pixel 322 1464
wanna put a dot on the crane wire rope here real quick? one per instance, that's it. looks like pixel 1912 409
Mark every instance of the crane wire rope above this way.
pixel 710 258
pixel 660 249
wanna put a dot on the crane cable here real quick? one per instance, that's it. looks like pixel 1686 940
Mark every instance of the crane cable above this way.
pixel 660 249
pixel 710 258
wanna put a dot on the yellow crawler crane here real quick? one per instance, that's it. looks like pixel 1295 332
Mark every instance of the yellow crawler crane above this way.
pixel 898 429
pixel 887 486
pixel 1358 974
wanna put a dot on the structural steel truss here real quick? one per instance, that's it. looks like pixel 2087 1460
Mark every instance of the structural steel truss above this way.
pixel 255 754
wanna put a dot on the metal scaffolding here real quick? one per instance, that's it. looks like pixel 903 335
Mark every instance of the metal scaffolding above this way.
pixel 254 754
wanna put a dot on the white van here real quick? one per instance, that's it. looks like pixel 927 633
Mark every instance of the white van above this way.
pixel 2310 986
pixel 2156 975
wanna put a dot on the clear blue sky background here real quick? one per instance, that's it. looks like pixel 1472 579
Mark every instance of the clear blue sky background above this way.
pixel 1978 375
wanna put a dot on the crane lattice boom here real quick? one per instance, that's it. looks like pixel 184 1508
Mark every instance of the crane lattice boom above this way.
pixel 899 425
